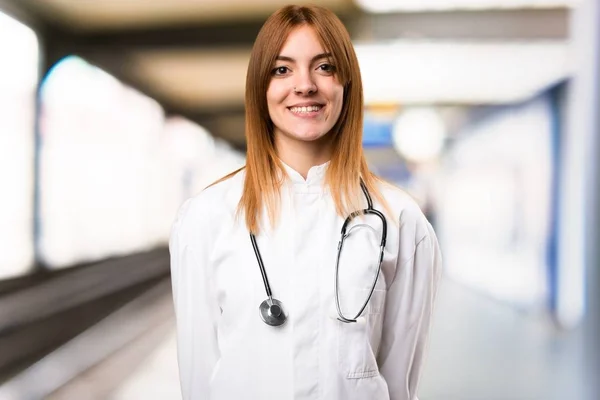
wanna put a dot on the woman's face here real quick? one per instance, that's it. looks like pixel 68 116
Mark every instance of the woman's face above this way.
pixel 304 96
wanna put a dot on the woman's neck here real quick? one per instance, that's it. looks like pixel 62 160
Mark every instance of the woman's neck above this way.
pixel 303 155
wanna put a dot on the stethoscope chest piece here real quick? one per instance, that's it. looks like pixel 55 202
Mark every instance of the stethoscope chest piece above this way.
pixel 271 312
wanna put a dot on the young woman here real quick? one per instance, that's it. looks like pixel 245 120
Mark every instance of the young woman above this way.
pixel 271 303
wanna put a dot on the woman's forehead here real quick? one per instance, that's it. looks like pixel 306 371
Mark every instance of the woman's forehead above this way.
pixel 303 40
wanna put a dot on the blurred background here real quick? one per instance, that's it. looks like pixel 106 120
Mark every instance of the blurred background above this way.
pixel 112 113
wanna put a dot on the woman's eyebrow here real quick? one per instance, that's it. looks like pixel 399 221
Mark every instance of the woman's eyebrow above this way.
pixel 290 59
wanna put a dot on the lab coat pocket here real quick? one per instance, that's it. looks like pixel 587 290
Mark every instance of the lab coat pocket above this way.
pixel 358 342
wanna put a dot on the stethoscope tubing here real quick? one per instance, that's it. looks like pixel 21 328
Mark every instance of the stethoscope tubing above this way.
pixel 261 266
pixel 369 210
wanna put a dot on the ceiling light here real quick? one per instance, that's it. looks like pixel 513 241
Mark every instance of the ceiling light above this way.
pixel 418 134
pixel 445 72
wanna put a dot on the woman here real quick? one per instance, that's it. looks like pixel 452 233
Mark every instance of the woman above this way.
pixel 272 229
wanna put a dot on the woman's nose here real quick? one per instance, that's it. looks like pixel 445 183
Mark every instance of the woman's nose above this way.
pixel 305 85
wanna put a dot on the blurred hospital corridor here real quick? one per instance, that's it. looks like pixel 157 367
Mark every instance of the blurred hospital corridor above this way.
pixel 114 113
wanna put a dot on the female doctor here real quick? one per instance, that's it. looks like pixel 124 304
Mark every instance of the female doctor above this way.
pixel 303 275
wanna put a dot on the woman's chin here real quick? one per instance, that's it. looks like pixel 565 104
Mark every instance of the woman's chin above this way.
pixel 310 136
pixel 313 135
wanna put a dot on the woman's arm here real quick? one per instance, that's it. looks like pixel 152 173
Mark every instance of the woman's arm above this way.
pixel 408 310
pixel 196 309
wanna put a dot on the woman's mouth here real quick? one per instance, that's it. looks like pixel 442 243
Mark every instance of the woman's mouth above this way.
pixel 307 111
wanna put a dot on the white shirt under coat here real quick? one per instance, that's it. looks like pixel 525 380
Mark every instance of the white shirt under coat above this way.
pixel 225 350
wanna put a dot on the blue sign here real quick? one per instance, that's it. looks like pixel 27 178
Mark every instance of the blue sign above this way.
pixel 377 133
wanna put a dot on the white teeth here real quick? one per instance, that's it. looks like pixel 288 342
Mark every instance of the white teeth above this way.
pixel 305 109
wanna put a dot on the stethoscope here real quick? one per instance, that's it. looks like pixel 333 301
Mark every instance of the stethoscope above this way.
pixel 271 310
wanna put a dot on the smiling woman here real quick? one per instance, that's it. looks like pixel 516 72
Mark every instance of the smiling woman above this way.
pixel 344 317
pixel 304 97
pixel 304 56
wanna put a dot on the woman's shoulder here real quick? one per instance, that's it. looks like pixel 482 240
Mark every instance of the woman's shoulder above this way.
pixel 216 202
pixel 405 209
pixel 223 193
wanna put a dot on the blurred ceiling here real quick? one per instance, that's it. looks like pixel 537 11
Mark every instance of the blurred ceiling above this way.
pixel 197 78
pixel 86 15
pixel 191 55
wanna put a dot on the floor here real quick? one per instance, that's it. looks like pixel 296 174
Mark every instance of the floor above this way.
pixel 482 349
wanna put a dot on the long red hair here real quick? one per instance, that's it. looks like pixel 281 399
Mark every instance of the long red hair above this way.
pixel 263 168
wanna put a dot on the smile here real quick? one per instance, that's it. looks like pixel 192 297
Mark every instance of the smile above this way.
pixel 306 111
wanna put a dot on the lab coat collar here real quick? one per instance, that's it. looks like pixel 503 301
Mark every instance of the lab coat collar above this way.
pixel 314 178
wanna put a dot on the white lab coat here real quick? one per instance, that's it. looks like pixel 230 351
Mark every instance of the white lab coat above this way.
pixel 225 350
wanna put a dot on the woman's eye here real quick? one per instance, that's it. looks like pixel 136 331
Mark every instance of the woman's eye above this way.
pixel 280 71
pixel 327 68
